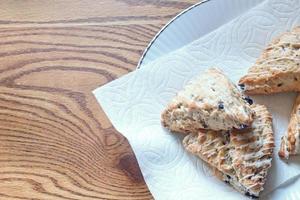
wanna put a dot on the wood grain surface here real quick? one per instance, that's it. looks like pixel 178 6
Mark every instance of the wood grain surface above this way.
pixel 55 141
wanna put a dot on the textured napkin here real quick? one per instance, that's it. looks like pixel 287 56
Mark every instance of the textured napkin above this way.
pixel 134 102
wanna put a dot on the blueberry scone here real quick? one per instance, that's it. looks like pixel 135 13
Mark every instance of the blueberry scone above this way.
pixel 278 67
pixel 240 158
pixel 211 101
pixel 291 141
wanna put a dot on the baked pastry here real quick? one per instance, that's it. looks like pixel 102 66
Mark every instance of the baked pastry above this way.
pixel 240 158
pixel 290 142
pixel 211 101
pixel 278 67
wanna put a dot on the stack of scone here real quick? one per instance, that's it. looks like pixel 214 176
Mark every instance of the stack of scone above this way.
pixel 225 129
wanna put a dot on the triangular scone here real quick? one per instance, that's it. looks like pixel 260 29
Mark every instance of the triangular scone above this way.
pixel 211 101
pixel 290 143
pixel 241 157
pixel 278 67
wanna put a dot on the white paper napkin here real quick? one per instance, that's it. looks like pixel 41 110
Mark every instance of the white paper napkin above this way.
pixel 134 102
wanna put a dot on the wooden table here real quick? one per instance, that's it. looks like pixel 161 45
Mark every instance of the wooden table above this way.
pixel 55 141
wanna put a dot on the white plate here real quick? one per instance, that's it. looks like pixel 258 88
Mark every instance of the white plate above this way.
pixel 188 26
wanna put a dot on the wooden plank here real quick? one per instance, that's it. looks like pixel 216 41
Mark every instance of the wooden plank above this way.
pixel 70 12
pixel 55 141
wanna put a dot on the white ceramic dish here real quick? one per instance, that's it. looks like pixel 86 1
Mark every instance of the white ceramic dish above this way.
pixel 188 26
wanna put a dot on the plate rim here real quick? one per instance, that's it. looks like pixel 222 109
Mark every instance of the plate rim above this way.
pixel 164 28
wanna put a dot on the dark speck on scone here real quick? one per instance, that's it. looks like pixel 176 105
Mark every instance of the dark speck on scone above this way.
pixel 243 126
pixel 249 100
pixel 221 105
pixel 242 86
pixel 250 195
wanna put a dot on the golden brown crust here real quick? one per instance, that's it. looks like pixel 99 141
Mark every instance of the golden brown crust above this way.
pixel 290 142
pixel 242 156
pixel 278 67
